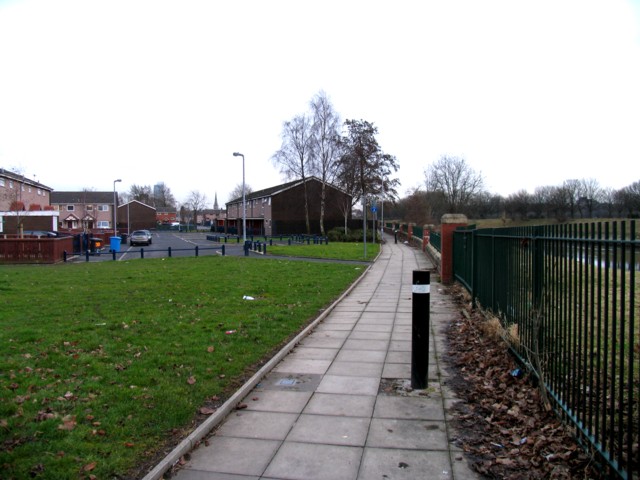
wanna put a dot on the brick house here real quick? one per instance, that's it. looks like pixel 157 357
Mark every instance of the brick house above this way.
pixel 279 210
pixel 135 215
pixel 24 201
pixel 84 210
pixel 166 215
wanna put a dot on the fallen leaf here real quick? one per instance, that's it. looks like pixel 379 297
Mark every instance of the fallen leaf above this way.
pixel 211 348
pixel 68 423
pixel 89 466
pixel 191 380
pixel 207 410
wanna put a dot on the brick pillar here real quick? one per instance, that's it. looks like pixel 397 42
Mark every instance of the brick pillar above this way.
pixel 410 231
pixel 450 222
pixel 426 233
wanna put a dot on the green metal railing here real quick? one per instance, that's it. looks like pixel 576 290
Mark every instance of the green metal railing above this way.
pixel 435 240
pixel 568 297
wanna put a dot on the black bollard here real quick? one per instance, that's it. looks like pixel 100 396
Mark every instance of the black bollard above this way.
pixel 420 300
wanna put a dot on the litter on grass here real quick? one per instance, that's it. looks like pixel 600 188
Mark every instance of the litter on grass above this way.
pixel 247 297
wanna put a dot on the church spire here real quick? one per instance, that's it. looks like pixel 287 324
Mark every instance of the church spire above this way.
pixel 215 202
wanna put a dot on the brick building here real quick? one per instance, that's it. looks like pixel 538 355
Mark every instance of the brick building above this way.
pixel 279 210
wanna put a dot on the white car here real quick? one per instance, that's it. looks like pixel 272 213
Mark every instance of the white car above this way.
pixel 140 237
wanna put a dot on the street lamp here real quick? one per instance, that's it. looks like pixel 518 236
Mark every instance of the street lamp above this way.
pixel 115 206
pixel 244 202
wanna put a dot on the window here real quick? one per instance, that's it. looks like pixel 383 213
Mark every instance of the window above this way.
pixel 89 208
pixel 10 183
pixel 71 208
pixel 103 224
pixel 39 192
pixel 103 208
pixel 1 182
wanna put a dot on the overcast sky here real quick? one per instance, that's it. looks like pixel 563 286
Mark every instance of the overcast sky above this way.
pixel 530 93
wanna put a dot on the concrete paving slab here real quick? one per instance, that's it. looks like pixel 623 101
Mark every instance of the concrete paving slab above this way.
pixel 365 335
pixel 306 461
pixel 409 408
pixel 314 353
pixel 356 369
pixel 361 356
pixel 202 475
pixel 335 326
pixel 277 401
pixel 341 405
pixel 257 425
pixel 400 464
pixel 290 382
pixel 330 430
pixel 352 344
pixel 409 434
pixel 315 341
pixel 396 370
pixel 372 327
pixel 399 357
pixel 302 365
pixel 221 456
pixel 399 346
pixel 349 385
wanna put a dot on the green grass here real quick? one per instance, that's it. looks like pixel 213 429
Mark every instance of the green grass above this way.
pixel 101 363
pixel 335 250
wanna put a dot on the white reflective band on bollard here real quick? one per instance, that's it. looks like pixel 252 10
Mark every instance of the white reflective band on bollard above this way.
pixel 421 289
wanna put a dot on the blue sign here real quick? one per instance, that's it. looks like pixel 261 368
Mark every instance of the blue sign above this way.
pixel 374 209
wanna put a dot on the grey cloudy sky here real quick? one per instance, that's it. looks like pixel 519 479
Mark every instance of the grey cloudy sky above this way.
pixel 529 93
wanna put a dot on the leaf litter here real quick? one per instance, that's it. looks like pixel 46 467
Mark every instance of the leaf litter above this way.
pixel 501 423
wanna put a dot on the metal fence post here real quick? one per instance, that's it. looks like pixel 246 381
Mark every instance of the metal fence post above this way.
pixel 420 300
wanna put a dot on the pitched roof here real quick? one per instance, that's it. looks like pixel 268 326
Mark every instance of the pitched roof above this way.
pixel 82 197
pixel 269 192
pixel 22 179
pixel 136 201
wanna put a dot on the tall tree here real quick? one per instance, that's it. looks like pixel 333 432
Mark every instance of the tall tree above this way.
pixel 295 157
pixel 590 195
pixel 162 196
pixel 141 193
pixel 364 169
pixel 455 180
pixel 325 135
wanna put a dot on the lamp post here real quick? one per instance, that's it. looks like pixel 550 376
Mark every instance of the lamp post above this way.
pixel 244 202
pixel 115 206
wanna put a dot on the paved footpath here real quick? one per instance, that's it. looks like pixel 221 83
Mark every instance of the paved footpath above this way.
pixel 334 407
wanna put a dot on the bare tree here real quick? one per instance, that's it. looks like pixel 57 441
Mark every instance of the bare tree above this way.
pixel 141 193
pixel 162 196
pixel 237 191
pixel 325 134
pixel 590 195
pixel 295 156
pixel 195 204
pixel 572 195
pixel 456 181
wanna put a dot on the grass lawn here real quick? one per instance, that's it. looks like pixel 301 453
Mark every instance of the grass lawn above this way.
pixel 101 363
pixel 340 251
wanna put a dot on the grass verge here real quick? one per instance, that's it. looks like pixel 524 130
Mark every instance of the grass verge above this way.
pixel 101 363
pixel 337 251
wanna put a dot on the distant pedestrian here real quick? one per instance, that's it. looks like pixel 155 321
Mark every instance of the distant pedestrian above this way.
pixel 395 236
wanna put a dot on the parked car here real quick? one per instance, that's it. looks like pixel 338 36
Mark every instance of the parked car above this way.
pixel 140 237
